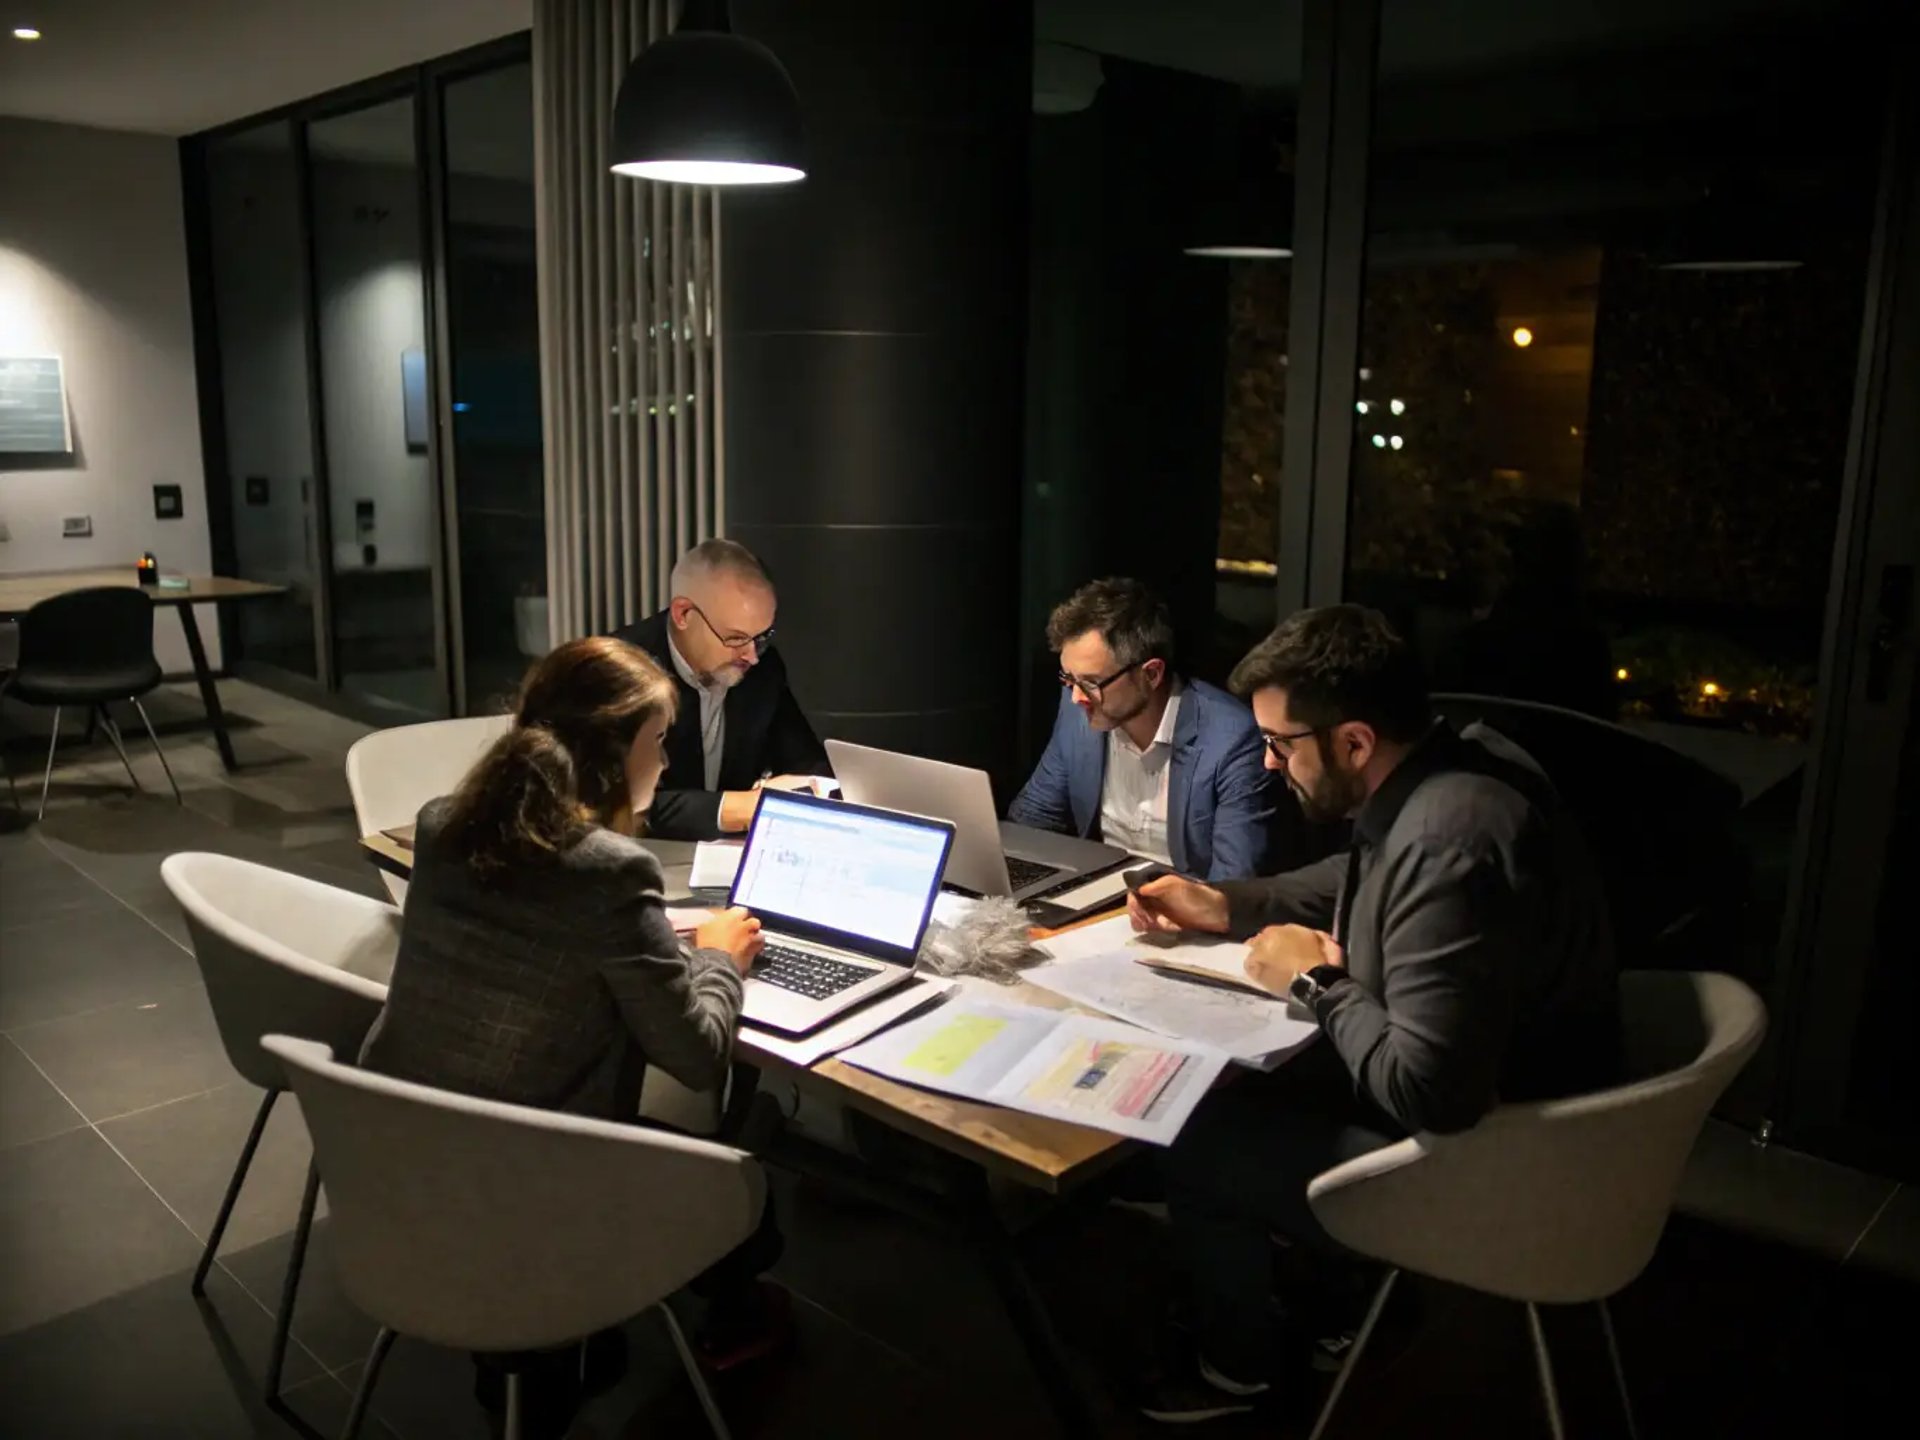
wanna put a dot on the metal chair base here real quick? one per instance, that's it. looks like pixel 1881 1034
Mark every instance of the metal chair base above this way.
pixel 1549 1391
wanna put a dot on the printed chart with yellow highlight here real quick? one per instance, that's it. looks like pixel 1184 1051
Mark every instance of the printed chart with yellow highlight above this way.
pixel 1085 1068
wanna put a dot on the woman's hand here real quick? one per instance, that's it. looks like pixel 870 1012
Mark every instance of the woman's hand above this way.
pixel 734 931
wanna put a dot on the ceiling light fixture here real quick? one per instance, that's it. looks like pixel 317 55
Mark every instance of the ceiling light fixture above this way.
pixel 708 107
pixel 25 32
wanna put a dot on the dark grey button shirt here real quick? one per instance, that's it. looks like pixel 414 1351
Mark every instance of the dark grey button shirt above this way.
pixel 1476 935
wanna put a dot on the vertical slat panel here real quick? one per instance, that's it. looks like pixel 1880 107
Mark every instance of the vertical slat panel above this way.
pixel 627 603
pixel 715 479
pixel 679 244
pixel 628 292
pixel 698 345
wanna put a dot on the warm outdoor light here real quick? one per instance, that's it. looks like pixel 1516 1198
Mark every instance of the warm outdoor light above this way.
pixel 1709 689
pixel 1621 674
pixel 707 107
pixel 1522 336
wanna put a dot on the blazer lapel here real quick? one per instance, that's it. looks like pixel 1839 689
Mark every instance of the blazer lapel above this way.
pixel 1088 777
pixel 1186 748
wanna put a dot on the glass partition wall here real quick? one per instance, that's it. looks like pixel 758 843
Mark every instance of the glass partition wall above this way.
pixel 365 270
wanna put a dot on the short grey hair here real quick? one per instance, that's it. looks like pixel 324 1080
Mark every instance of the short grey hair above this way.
pixel 712 558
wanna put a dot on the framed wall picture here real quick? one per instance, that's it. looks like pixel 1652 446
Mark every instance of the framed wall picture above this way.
pixel 33 406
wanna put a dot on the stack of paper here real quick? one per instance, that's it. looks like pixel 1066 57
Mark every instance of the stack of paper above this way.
pixel 1193 987
pixel 1081 1068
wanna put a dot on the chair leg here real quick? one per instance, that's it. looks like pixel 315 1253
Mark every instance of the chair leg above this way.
pixel 158 751
pixel 1360 1339
pixel 513 1428
pixel 363 1392
pixel 233 1192
pixel 715 1420
pixel 46 781
pixel 1548 1391
pixel 1619 1370
pixel 290 1287
pixel 113 734
pixel 13 791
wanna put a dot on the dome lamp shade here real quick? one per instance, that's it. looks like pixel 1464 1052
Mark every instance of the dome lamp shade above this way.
pixel 705 106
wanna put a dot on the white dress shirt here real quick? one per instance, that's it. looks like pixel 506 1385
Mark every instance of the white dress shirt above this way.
pixel 1133 801
pixel 713 714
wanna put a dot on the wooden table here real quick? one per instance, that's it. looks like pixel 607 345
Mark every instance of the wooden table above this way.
pixel 1049 1156
pixel 20 593
pixel 1053 1156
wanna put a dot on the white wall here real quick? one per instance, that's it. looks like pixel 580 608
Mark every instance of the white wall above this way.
pixel 93 268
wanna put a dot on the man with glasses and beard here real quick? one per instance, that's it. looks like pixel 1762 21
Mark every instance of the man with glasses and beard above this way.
pixel 738 727
pixel 1168 768
pixel 1456 956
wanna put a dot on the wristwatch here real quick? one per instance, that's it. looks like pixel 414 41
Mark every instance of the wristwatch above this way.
pixel 1309 985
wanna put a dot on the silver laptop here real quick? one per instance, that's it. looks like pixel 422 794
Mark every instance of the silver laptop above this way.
pixel 843 893
pixel 990 856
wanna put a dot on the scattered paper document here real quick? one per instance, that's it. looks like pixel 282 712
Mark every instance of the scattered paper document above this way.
pixel 1102 937
pixel 1081 1068
pixel 1257 1030
pixel 856 1025
pixel 715 863
pixel 687 918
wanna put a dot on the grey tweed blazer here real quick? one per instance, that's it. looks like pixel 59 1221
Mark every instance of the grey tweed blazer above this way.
pixel 553 985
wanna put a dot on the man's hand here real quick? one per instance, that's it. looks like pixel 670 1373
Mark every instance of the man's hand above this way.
pixel 1280 952
pixel 1173 903
pixel 803 784
pixel 736 809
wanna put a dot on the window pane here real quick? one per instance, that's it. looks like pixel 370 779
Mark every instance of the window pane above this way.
pixel 493 327
pixel 1162 185
pixel 253 189
pixel 367 275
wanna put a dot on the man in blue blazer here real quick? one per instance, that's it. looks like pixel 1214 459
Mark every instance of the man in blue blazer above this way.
pixel 1165 767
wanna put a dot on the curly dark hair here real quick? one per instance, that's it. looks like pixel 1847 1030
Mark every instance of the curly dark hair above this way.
pixel 1341 663
pixel 1132 620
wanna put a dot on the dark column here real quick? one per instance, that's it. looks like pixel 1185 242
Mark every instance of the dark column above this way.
pixel 874 320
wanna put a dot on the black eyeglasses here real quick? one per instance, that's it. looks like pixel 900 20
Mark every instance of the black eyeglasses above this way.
pixel 736 641
pixel 1281 746
pixel 1092 688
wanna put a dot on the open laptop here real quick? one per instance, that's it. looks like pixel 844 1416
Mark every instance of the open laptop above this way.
pixel 843 893
pixel 990 856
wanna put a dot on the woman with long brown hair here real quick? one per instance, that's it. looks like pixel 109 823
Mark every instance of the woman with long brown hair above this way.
pixel 536 963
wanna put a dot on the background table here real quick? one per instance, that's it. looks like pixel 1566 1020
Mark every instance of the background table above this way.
pixel 20 593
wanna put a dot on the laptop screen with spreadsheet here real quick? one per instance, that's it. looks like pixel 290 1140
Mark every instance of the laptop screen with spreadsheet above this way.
pixel 847 874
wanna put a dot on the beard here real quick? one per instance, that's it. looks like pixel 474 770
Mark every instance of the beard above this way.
pixel 1335 793
pixel 726 676
pixel 1104 719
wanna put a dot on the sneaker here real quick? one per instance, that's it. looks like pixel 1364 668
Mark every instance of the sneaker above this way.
pixel 1199 1395
pixel 750 1326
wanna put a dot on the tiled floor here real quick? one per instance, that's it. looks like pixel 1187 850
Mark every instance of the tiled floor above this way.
pixel 1774 1304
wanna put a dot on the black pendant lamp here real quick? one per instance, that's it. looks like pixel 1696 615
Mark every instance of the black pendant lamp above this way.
pixel 1248 215
pixel 708 107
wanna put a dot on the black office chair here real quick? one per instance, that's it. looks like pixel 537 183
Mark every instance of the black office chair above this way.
pixel 88 647
pixel 1660 825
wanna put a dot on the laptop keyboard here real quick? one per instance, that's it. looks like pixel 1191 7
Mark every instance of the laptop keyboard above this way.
pixel 804 973
pixel 1022 873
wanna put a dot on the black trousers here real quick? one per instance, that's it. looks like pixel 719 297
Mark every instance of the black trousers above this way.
pixel 1238 1174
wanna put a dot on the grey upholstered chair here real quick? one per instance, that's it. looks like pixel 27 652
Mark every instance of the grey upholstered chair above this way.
pixel 392 773
pixel 483 1226
pixel 280 954
pixel 1556 1203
